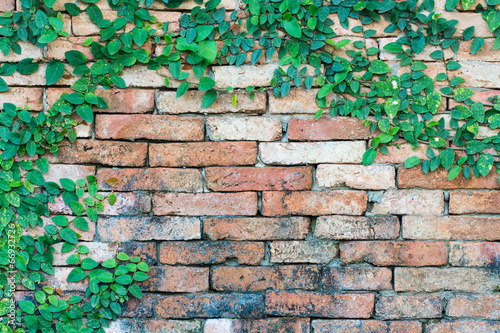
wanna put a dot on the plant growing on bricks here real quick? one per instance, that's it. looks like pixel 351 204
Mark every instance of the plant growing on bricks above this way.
pixel 298 35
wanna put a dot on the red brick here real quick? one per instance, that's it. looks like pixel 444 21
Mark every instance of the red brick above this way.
pixel 123 325
pixel 118 100
pixel 256 228
pixel 244 203
pixel 387 253
pixel 469 202
pixel 138 308
pixel 126 204
pixel 268 325
pixel 451 227
pixel 446 326
pixel 210 306
pixel 402 202
pixel 150 179
pixel 475 254
pixel 356 227
pixel 259 179
pixel 311 251
pixel 177 279
pixel 7 6
pixel 314 203
pixel 203 154
pixel 154 127
pixel 357 278
pixel 433 279
pixel 325 129
pixel 474 306
pixel 146 251
pixel 102 152
pixel 363 326
pixel 71 171
pixel 314 304
pixel 400 152
pixel 414 177
pixel 262 278
pixel 142 228
pixel 408 306
pixel 205 252
pixel 31 98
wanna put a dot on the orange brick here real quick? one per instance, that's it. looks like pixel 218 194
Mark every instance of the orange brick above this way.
pixel 357 278
pixel 447 326
pixel 325 128
pixel 414 177
pixel 475 254
pixel 31 98
pixel 177 279
pixel 474 306
pixel 408 306
pixel 469 202
pixel 356 227
pixel 362 326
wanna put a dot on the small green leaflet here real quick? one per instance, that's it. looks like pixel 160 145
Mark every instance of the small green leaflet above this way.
pixel 54 72
pixel 392 106
pixel 411 162
pixel 466 4
pixel 461 94
pixel 485 164
pixel 476 45
pixel 433 101
pixel 379 67
pixel 292 27
pixel 369 156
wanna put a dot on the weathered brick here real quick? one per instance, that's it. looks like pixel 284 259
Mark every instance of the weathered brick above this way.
pixel 244 128
pixel 118 100
pixel 7 6
pixel 205 252
pixel 29 50
pixel 475 254
pixel 142 77
pixel 153 127
pixel 362 326
pixel 314 203
pixel 268 325
pixel 314 251
pixel 123 325
pixel 433 279
pixel 259 179
pixel 256 228
pixel 142 228
pixel 469 202
pixel 451 227
pixel 203 154
pixel 190 102
pixel 60 280
pixel 356 227
pixel 314 304
pixel 296 101
pixel 414 177
pixel 465 20
pixel 356 278
pixel 369 177
pixel 38 77
pixel 146 251
pixel 262 278
pixel 87 236
pixel 487 52
pixel 102 152
pixel 83 25
pixel 31 98
pixel 243 203
pixel 138 308
pixel 400 152
pixel 490 71
pixel 474 306
pixel 98 251
pixel 289 153
pixel 150 179
pixel 447 326
pixel 408 306
pixel 326 128
pixel 177 279
pixel 402 202
pixel 210 306
pixel 386 253
pixel 126 204
pixel 70 171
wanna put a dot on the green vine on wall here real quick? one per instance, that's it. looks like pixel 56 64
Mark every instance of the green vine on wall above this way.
pixel 298 34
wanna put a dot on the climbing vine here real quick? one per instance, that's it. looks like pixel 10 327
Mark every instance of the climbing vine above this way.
pixel 300 35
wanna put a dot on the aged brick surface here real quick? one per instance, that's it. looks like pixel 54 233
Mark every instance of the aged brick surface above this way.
pixel 146 251
pixel 154 325
pixel 247 128
pixel 314 203
pixel 154 127
pixel 256 228
pixel 262 278
pixel 411 202
pixel 410 178
pixel 362 326
pixel 458 326
pixel 271 325
pixel 387 253
pixel 203 154
pixel 210 306
pixel 206 252
pixel 485 254
pixel 177 279
pixel 150 179
pixel 470 202
pixel 357 278
pixel 316 304
pixel 319 252
pixel 474 306
pixel 324 129
pixel 258 179
pixel 371 177
pixel 414 307
pixel 356 227
pixel 23 97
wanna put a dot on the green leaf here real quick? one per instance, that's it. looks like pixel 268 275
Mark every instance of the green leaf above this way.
pixel 325 90
pixel 140 276
pixel 3 85
pixel 394 47
pixel 208 51
pixel 123 256
pixel 454 172
pixel 391 106
pixel 369 156
pixel 75 58
pixel 208 98
pixel 254 7
pixel 181 90
pixel 89 263
pixel 461 94
pixel 451 4
pixel 27 306
pixel 76 275
pixel 447 157
pixel 72 9
pixel 135 291
pixel 476 45
pixel 54 72
pixel 478 111
pixel 493 20
pixel 68 235
pixel 85 111
pixel 206 83
pixel 484 164
pixel 112 198
pixel 292 27
pixel 411 162
pixel 466 4
pixel 433 101
pixel 379 67
pixel 81 223
pixel 27 66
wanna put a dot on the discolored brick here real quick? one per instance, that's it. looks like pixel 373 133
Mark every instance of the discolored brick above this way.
pixel 325 128
pixel 369 177
pixel 362 326
pixel 474 306
pixel 356 278
pixel 446 326
pixel 177 279
pixel 268 325
pixel 356 227
pixel 313 251
pixel 470 202
pixel 403 202
pixel 408 306
pixel 475 254
pixel 123 325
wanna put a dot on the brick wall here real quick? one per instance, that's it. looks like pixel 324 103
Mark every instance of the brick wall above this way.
pixel 258 218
